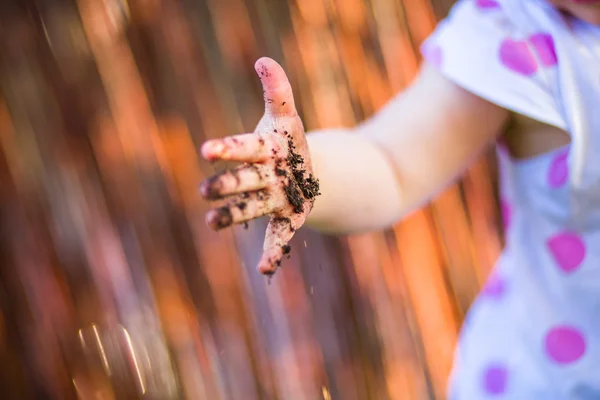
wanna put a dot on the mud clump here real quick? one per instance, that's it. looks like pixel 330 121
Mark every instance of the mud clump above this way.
pixel 300 188
pixel 284 221
pixel 279 171
pixel 294 195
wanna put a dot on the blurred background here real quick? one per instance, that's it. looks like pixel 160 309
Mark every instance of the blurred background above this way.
pixel 112 286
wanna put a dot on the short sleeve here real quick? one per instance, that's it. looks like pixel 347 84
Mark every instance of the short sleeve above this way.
pixel 480 48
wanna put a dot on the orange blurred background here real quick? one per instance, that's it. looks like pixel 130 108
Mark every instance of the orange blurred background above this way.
pixel 112 286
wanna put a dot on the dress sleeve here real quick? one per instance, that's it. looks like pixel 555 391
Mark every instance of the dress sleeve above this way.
pixel 480 49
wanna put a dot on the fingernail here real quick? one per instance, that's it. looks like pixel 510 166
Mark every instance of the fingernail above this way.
pixel 212 149
pixel 218 147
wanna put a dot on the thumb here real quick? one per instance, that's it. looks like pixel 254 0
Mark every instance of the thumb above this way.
pixel 279 99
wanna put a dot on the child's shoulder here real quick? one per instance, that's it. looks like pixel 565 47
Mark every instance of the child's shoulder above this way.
pixel 516 16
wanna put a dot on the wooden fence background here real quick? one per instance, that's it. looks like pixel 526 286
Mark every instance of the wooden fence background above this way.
pixel 112 286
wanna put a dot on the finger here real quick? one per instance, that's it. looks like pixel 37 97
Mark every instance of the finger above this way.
pixel 279 99
pixel 279 233
pixel 245 208
pixel 247 178
pixel 248 147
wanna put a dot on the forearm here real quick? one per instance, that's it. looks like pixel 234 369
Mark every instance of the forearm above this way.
pixel 359 190
pixel 374 174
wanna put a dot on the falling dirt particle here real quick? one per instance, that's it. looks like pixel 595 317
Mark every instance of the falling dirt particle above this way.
pixel 245 225
pixel 275 130
pixel 283 104
pixel 269 275
pixel 286 249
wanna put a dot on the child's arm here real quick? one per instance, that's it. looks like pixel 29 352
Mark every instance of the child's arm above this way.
pixel 370 176
pixel 373 175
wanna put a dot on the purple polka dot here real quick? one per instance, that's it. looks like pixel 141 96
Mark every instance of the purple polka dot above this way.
pixel 495 379
pixel 433 54
pixel 568 250
pixel 506 213
pixel 494 287
pixel 565 344
pixel 558 173
pixel 516 56
pixel 487 4
pixel 544 47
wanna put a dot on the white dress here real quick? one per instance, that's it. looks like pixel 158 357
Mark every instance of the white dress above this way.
pixel 534 331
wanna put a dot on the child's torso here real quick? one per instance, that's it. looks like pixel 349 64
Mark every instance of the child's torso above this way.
pixel 534 332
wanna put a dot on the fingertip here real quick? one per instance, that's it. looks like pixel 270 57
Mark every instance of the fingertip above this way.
pixel 267 269
pixel 260 62
pixel 204 150
pixel 219 219
pixel 270 71
pixel 211 150
pixel 264 62
pixel 204 190
pixel 276 87
pixel 269 263
pixel 210 219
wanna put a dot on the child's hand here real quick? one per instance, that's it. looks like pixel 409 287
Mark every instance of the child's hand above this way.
pixel 276 177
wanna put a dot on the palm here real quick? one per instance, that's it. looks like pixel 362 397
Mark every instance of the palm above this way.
pixel 276 175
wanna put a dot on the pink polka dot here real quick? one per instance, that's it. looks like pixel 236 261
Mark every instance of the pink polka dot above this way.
pixel 506 213
pixel 487 4
pixel 495 379
pixel 568 250
pixel 516 56
pixel 544 47
pixel 494 287
pixel 558 173
pixel 565 344
pixel 433 54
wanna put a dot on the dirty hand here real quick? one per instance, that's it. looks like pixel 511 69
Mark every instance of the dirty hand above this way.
pixel 276 177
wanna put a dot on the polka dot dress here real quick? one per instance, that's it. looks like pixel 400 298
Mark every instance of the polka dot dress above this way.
pixel 534 330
